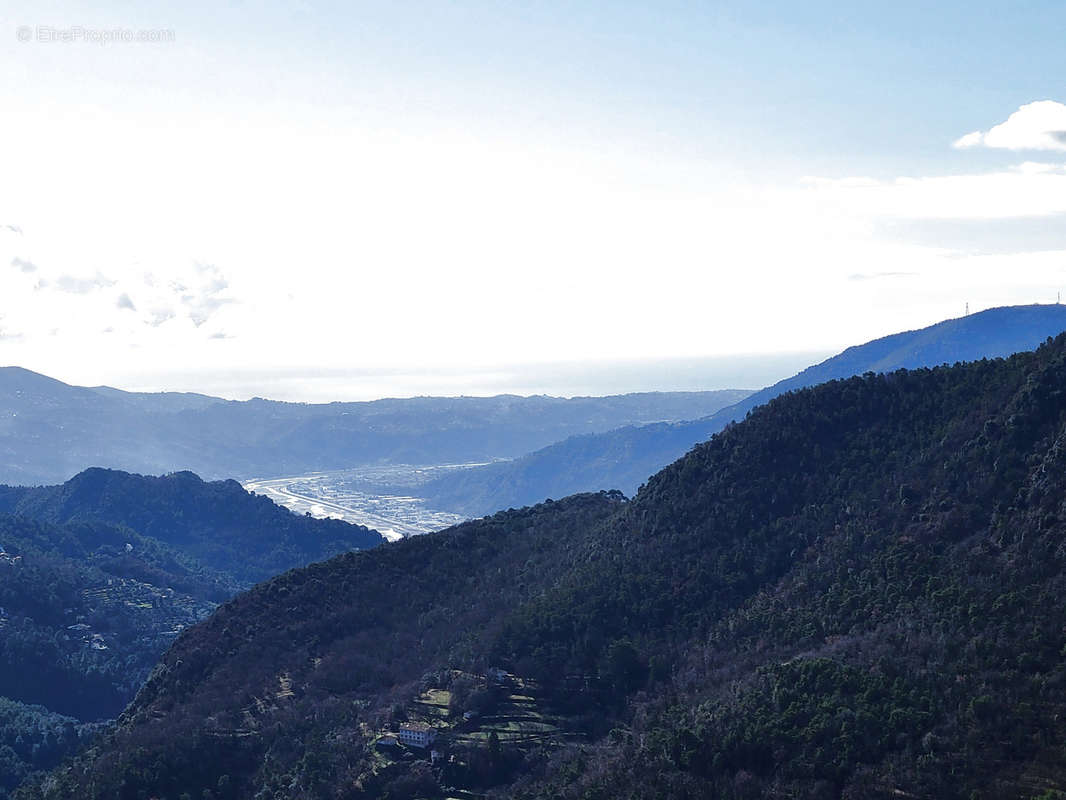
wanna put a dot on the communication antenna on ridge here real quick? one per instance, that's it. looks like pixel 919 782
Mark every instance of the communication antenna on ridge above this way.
pixel 1058 298
pixel 967 310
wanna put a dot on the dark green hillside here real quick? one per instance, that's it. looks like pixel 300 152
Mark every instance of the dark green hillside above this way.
pixel 80 626
pixel 358 632
pixel 216 525
pixel 33 738
pixel 856 592
pixel 862 596
pixel 99 576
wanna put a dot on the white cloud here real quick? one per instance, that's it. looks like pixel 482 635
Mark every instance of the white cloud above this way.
pixel 157 316
pixel 1035 126
pixel 206 296
pixel 23 265
pixel 79 285
pixel 1039 167
pixel 974 139
pixel 1025 190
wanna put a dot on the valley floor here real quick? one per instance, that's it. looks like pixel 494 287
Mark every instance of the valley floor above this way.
pixel 380 497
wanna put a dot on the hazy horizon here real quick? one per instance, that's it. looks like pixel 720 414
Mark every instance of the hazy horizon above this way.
pixel 561 379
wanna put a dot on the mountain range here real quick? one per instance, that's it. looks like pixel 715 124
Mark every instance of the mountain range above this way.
pixel 50 431
pixel 855 592
pixel 622 459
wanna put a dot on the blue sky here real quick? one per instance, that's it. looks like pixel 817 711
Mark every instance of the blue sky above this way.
pixel 465 186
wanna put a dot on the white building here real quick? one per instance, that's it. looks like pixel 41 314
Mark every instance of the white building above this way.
pixel 416 734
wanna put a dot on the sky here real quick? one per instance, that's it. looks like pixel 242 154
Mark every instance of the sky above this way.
pixel 318 201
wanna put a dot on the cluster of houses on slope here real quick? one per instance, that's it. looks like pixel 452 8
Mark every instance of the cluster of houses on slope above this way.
pixel 422 734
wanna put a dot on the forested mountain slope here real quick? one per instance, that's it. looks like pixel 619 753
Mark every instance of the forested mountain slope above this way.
pixel 99 575
pixel 216 526
pixel 856 592
pixel 50 431
pixel 34 738
pixel 623 459
pixel 82 623
pixel 85 611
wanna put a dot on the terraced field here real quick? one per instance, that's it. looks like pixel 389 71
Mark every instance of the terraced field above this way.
pixel 517 720
pixel 513 718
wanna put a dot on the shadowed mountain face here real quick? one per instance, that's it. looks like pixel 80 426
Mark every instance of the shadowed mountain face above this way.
pixel 228 533
pixel 100 574
pixel 49 431
pixel 624 458
pixel 87 609
pixel 854 593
